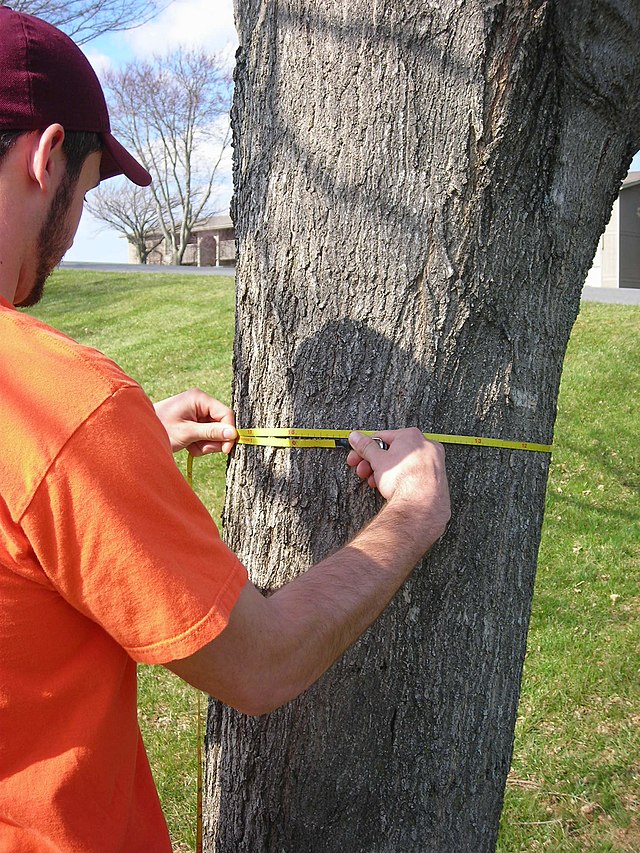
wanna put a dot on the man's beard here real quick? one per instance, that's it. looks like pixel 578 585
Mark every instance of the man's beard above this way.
pixel 53 240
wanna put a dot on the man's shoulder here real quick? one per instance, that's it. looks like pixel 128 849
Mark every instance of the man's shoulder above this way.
pixel 39 352
pixel 50 385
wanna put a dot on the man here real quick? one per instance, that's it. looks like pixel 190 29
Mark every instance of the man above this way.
pixel 106 557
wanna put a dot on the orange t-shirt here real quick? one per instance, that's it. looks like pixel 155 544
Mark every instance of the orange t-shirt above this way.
pixel 106 558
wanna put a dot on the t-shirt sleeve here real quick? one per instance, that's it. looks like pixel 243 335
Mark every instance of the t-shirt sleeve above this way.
pixel 121 536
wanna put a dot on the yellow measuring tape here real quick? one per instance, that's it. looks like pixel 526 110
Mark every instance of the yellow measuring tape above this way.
pixel 291 437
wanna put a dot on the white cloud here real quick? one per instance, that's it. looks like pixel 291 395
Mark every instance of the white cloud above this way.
pixel 100 62
pixel 192 23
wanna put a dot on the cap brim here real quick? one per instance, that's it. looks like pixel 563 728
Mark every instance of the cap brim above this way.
pixel 116 160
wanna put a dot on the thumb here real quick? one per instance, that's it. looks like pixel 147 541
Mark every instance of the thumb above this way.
pixel 212 432
pixel 365 446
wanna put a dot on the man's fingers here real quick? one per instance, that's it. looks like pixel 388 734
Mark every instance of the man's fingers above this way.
pixel 409 466
pixel 206 408
pixel 223 414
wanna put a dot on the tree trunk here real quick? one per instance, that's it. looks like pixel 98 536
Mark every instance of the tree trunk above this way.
pixel 419 191
pixel 140 245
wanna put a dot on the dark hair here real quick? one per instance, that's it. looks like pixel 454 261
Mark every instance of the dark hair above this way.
pixel 7 141
pixel 77 146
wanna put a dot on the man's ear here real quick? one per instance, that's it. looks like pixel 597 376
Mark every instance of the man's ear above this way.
pixel 47 162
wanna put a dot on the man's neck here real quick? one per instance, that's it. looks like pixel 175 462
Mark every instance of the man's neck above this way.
pixel 16 261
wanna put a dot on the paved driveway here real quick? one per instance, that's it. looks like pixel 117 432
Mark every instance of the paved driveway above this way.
pixel 621 295
pixel 161 268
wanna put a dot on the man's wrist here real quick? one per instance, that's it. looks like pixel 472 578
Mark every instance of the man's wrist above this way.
pixel 419 521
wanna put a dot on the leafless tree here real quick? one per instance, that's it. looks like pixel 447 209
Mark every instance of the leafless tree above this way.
pixel 131 211
pixel 173 112
pixel 85 20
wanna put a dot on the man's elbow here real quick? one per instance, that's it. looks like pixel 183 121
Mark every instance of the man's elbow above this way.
pixel 256 707
pixel 249 665
pixel 250 693
pixel 260 699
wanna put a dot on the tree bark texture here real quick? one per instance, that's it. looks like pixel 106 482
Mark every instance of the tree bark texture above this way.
pixel 419 191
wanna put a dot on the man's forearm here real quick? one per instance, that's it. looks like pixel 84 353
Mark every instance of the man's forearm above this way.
pixel 323 612
pixel 273 648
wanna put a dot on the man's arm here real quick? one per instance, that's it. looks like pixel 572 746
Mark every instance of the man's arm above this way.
pixel 274 648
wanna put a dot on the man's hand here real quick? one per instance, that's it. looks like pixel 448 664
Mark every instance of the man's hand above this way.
pixel 198 422
pixel 411 472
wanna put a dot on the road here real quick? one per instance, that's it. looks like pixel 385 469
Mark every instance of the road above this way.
pixel 160 268
pixel 622 296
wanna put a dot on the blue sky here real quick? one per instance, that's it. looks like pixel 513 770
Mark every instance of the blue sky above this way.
pixel 194 23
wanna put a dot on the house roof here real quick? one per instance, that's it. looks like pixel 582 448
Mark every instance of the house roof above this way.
pixel 217 222
pixel 632 179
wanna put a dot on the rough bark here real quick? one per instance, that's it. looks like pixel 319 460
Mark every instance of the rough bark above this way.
pixel 420 187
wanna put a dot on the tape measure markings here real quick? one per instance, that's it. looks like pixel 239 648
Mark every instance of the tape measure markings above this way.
pixel 292 437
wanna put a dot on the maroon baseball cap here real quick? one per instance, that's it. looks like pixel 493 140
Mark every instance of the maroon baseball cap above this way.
pixel 46 79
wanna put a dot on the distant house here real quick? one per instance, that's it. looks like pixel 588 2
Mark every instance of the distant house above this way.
pixel 617 259
pixel 212 244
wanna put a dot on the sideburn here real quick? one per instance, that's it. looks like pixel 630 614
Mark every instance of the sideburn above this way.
pixel 53 238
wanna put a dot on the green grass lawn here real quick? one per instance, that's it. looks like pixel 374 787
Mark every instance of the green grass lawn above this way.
pixel 575 778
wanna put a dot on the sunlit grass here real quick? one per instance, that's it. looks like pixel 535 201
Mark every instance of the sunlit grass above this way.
pixel 575 779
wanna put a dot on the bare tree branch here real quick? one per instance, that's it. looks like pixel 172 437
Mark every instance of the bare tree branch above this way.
pixel 130 210
pixel 85 20
pixel 173 112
